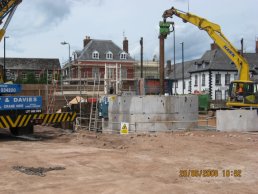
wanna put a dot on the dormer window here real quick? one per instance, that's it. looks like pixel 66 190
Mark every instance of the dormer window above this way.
pixel 109 55
pixel 123 55
pixel 95 55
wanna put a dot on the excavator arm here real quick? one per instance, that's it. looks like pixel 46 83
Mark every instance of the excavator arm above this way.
pixel 214 31
pixel 7 8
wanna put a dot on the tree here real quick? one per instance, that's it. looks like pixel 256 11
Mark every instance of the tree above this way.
pixel 19 80
pixel 30 78
pixel 43 79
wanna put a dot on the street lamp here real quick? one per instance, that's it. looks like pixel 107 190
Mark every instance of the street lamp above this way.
pixel 4 77
pixel 69 59
pixel 174 39
pixel 64 43
pixel 183 77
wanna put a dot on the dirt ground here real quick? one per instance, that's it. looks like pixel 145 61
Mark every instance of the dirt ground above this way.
pixel 86 162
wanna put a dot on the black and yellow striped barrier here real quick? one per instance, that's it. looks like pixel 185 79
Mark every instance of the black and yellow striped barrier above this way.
pixel 22 120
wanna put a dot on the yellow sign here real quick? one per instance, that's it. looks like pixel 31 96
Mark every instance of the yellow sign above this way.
pixel 124 128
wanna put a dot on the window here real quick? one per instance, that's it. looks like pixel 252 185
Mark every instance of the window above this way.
pixel 226 94
pixel 227 79
pixel 124 73
pixel 189 86
pixel 111 73
pixel 37 76
pixel 176 84
pixel 218 95
pixel 95 55
pixel 196 80
pixel 24 76
pixel 95 72
pixel 203 79
pixel 109 55
pixel 123 55
pixel 49 75
pixel 218 79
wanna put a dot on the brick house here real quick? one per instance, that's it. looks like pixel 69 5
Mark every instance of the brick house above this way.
pixel 101 60
pixel 19 68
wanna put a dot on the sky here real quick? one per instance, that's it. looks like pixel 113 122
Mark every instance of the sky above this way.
pixel 39 26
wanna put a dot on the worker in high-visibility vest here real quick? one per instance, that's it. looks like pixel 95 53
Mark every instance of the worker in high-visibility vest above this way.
pixel 240 89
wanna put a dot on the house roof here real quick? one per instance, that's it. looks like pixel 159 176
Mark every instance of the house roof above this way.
pixel 102 46
pixel 214 59
pixel 178 70
pixel 217 60
pixel 31 63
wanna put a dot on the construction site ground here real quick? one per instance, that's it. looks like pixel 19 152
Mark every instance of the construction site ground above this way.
pixel 61 161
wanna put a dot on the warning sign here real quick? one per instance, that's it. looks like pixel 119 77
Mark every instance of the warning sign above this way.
pixel 124 128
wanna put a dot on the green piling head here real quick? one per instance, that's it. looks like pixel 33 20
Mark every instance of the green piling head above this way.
pixel 164 28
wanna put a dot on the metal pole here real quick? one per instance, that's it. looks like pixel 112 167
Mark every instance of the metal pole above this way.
pixel 116 78
pixel 61 79
pixel 47 94
pixel 141 43
pixel 105 80
pixel 120 78
pixel 80 95
pixel 183 78
pixel 69 59
pixel 69 52
pixel 4 72
pixel 4 79
pixel 161 62
pixel 174 37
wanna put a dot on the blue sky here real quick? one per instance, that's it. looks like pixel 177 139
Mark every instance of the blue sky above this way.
pixel 39 26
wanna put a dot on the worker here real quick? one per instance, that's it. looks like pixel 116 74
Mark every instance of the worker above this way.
pixel 240 93
pixel 240 89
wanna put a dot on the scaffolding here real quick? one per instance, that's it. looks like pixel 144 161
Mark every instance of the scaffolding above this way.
pixel 113 79
pixel 94 115
pixel 89 89
pixel 52 89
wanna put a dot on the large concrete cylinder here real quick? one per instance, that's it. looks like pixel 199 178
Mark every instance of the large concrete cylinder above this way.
pixel 152 113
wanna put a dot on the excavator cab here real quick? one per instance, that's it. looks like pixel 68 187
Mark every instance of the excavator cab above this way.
pixel 242 94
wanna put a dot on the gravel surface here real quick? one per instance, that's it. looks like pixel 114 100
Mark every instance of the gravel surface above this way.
pixel 174 162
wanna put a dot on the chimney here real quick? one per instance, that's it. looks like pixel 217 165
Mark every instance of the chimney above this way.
pixel 125 45
pixel 86 41
pixel 214 46
pixel 256 47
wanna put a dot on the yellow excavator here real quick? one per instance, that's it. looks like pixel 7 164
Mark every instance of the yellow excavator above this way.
pixel 242 92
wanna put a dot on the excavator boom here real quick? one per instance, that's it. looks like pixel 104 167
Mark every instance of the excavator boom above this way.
pixel 216 34
pixel 249 95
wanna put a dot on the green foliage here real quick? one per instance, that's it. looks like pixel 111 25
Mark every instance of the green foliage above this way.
pixel 43 79
pixel 19 80
pixel 30 78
